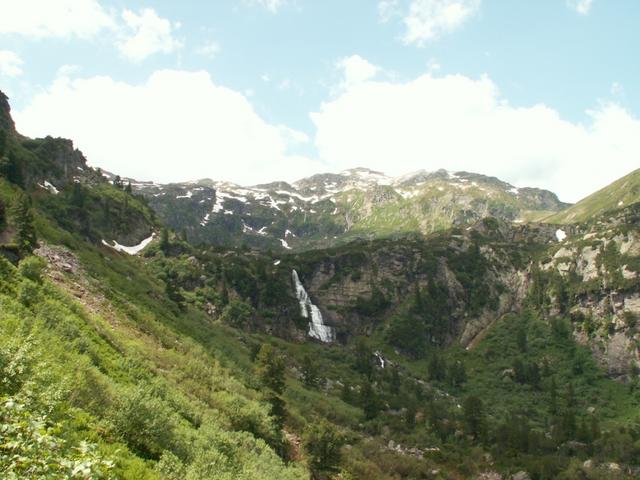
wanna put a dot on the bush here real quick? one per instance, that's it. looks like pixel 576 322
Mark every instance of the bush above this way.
pixel 237 314
pixel 37 452
pixel 145 422
pixel 322 443
pixel 32 268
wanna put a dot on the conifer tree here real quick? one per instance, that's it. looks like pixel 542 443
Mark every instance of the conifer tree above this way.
pixel 164 239
pixel 553 396
pixel 473 410
pixel 270 369
pixel 322 443
pixel 22 218
pixel 370 402
pixel 310 374
pixel 395 380
pixel 437 368
pixel 457 374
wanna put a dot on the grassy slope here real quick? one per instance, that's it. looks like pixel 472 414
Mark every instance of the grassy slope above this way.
pixel 622 192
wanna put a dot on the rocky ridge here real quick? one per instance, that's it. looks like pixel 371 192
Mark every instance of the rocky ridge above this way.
pixel 329 209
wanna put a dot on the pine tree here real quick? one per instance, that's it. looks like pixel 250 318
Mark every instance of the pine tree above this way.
pixel 270 369
pixel 322 443
pixel 553 396
pixel 164 239
pixel 521 339
pixel 310 374
pixel 473 411
pixel 23 223
pixel 363 356
pixel 437 368
pixel 410 415
pixel 457 374
pixel 370 402
pixel 395 382
pixel 346 394
pixel 10 169
pixel 128 188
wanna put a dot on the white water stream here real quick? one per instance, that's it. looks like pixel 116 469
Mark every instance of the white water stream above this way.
pixel 317 328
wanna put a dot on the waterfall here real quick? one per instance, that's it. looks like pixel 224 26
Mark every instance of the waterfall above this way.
pixel 317 328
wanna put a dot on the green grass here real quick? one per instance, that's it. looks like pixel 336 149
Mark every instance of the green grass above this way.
pixel 621 193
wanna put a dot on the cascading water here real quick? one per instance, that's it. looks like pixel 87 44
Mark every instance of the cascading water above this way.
pixel 317 328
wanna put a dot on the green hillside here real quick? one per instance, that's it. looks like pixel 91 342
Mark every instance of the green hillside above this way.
pixel 621 193
pixel 487 350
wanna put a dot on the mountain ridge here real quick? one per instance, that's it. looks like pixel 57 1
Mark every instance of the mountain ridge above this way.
pixel 330 208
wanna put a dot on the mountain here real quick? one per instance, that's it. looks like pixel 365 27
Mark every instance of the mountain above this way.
pixel 484 349
pixel 622 192
pixel 328 209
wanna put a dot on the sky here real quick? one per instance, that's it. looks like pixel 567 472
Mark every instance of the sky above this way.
pixel 543 94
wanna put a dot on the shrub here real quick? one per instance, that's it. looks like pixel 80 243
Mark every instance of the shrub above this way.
pixel 32 268
pixel 322 443
pixel 145 422
pixel 237 314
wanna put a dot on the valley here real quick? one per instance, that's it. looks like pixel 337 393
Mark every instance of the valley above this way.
pixel 438 325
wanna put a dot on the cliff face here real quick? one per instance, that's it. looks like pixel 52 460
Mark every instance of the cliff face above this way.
pixel 474 276
pixel 6 122
pixel 600 271
pixel 588 273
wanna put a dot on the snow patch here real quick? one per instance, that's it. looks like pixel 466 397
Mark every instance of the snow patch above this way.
pixel 49 186
pixel 246 228
pixel 285 244
pixel 189 194
pixel 130 250
pixel 276 263
pixel 560 235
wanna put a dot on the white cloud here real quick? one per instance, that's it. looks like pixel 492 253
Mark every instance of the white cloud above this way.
pixel 210 49
pixel 583 7
pixel 459 123
pixel 59 18
pixel 430 19
pixel 616 89
pixel 387 9
pixel 272 5
pixel 148 34
pixel 10 64
pixel 355 70
pixel 175 126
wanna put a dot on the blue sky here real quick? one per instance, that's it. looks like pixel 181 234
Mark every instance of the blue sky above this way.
pixel 257 90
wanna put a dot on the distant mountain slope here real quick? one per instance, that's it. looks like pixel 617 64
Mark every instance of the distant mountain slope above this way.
pixel 621 193
pixel 328 209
